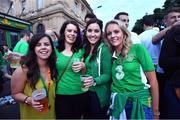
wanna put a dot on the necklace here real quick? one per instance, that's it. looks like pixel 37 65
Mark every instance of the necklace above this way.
pixel 47 88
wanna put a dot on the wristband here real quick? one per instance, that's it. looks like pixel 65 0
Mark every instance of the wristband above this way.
pixel 25 100
pixel 156 113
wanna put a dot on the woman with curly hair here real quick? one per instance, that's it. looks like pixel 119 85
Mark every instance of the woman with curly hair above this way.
pixel 37 72
pixel 131 98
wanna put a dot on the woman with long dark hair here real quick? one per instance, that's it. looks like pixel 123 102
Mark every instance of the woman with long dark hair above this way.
pixel 98 65
pixel 70 99
pixel 37 72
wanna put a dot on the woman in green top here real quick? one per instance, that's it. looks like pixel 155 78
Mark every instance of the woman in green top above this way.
pixel 37 72
pixel 131 97
pixel 70 99
pixel 98 65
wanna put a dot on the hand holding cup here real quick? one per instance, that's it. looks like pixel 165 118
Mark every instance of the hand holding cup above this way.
pixel 40 100
pixel 77 65
pixel 86 82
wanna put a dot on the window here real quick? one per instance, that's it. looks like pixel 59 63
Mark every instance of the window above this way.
pixel 40 28
pixel 23 5
pixel 2 37
pixel 14 38
pixel 39 4
pixel 75 7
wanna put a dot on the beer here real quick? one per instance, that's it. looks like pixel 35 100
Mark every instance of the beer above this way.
pixel 40 96
pixel 15 62
pixel 83 78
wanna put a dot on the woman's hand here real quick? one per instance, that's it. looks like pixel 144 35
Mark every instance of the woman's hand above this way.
pixel 36 105
pixel 89 81
pixel 78 66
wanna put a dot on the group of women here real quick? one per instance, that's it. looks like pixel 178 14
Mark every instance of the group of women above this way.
pixel 115 67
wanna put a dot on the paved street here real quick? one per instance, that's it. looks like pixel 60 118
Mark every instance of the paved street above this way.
pixel 9 111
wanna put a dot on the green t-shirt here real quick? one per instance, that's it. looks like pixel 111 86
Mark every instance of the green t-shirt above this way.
pixel 21 47
pixel 127 74
pixel 70 83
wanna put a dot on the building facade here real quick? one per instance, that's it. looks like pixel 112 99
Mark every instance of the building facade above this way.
pixel 10 26
pixel 6 6
pixel 45 14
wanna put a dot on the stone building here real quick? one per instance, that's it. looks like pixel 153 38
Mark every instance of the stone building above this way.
pixel 44 14
pixel 6 6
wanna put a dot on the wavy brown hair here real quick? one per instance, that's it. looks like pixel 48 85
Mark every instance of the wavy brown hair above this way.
pixel 126 41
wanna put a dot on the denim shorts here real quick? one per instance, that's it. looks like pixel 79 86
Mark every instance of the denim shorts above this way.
pixel 147 110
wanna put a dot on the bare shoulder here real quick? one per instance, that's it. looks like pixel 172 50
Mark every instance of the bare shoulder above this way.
pixel 20 73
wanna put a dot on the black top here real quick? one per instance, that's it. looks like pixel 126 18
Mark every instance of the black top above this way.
pixel 169 58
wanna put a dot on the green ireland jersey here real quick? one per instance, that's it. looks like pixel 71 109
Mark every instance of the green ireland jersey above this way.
pixel 128 73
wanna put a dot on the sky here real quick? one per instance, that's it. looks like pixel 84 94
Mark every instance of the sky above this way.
pixel 135 8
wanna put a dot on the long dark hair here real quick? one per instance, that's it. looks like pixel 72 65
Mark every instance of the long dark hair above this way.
pixel 30 62
pixel 87 46
pixel 77 44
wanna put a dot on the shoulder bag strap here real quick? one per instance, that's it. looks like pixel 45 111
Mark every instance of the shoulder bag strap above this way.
pixel 63 71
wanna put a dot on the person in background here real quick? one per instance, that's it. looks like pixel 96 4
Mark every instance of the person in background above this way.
pixel 22 46
pixel 53 36
pixel 1 71
pixel 169 61
pixel 98 64
pixel 88 17
pixel 3 63
pixel 124 17
pixel 171 18
pixel 131 98
pixel 146 39
pixel 70 99
pixel 37 72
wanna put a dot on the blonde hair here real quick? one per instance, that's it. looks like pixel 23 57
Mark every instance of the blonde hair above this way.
pixel 126 41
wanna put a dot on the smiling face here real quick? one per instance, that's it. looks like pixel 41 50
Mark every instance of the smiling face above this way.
pixel 93 33
pixel 70 34
pixel 115 35
pixel 43 48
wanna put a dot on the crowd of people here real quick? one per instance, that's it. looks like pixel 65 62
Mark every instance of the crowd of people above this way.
pixel 127 76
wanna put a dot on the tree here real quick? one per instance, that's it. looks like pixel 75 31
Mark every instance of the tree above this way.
pixel 158 15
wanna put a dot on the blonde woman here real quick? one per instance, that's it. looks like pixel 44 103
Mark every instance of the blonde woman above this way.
pixel 131 98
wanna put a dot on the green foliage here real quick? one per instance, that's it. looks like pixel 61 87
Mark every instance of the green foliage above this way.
pixel 158 15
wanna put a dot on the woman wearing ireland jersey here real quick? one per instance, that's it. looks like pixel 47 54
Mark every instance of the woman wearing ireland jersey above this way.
pixel 132 97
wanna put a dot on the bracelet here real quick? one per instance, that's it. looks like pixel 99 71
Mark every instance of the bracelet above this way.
pixel 156 113
pixel 25 100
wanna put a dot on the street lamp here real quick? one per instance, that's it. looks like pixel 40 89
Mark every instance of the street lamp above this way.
pixel 97 7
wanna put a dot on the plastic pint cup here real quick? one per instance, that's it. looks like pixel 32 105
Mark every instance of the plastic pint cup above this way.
pixel 40 96
pixel 83 78
pixel 15 60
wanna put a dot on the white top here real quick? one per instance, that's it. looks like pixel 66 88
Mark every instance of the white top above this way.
pixel 135 38
pixel 146 39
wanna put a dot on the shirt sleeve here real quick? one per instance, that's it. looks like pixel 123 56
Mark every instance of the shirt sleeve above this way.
pixel 144 58
pixel 105 66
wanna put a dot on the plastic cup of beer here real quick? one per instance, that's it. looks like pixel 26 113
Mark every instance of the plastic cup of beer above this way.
pixel 40 96
pixel 83 78
pixel 15 60
pixel 75 60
